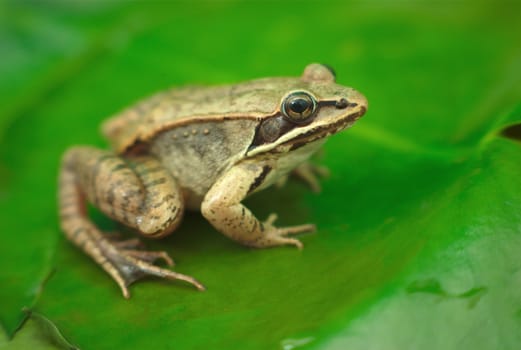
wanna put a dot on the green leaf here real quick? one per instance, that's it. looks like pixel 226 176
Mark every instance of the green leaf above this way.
pixel 419 225
pixel 38 333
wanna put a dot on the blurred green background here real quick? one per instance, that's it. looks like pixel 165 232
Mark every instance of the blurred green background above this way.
pixel 419 235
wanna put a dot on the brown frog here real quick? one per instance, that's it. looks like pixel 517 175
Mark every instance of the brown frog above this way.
pixel 200 148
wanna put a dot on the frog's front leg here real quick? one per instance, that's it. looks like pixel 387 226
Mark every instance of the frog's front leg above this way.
pixel 222 207
pixel 308 173
pixel 138 192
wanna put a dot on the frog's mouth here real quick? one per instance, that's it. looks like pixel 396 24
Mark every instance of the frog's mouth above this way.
pixel 322 131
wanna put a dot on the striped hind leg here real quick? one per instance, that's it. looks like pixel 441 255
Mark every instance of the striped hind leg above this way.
pixel 137 192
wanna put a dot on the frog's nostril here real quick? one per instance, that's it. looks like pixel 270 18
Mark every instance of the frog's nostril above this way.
pixel 342 103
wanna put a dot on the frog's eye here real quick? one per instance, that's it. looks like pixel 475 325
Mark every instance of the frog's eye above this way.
pixel 298 107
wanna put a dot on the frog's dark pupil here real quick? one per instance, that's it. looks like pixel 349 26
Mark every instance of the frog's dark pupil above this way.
pixel 299 105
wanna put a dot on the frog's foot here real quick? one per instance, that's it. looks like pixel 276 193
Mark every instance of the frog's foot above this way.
pixel 281 182
pixel 275 236
pixel 126 265
pixel 310 174
pixel 133 245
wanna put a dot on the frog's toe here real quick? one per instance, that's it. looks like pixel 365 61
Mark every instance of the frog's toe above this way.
pixel 152 270
pixel 277 240
pixel 310 174
pixel 289 230
pixel 127 266
pixel 293 230
pixel 151 257
pixel 276 236
pixel 128 243
pixel 134 246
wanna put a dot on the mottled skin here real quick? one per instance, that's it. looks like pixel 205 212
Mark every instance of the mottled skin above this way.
pixel 200 148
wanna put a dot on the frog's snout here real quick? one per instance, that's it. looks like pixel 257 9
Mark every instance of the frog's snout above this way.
pixel 362 111
pixel 356 100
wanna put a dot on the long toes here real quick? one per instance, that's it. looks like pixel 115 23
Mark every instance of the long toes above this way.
pixel 123 281
pixel 127 266
pixel 292 230
pixel 124 290
pixel 171 275
pixel 128 243
pixel 151 257
pixel 280 240
pixel 314 185
pixel 296 243
pixel 321 171
pixel 271 219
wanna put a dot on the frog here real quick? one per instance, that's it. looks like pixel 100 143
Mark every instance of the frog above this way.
pixel 205 149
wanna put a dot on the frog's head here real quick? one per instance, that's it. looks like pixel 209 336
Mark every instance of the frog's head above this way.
pixel 314 108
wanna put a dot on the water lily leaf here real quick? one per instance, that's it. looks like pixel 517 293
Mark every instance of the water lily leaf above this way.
pixel 39 333
pixel 418 225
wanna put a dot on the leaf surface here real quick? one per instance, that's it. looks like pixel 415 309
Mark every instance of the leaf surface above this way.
pixel 419 225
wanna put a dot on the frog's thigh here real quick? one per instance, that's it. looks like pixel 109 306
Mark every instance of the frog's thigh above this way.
pixel 138 191
pixel 222 207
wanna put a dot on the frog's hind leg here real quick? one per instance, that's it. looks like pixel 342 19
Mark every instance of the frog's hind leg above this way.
pixel 138 192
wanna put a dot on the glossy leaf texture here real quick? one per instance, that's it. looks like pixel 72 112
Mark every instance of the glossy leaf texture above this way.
pixel 419 224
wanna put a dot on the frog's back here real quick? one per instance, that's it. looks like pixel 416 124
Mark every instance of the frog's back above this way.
pixel 180 106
